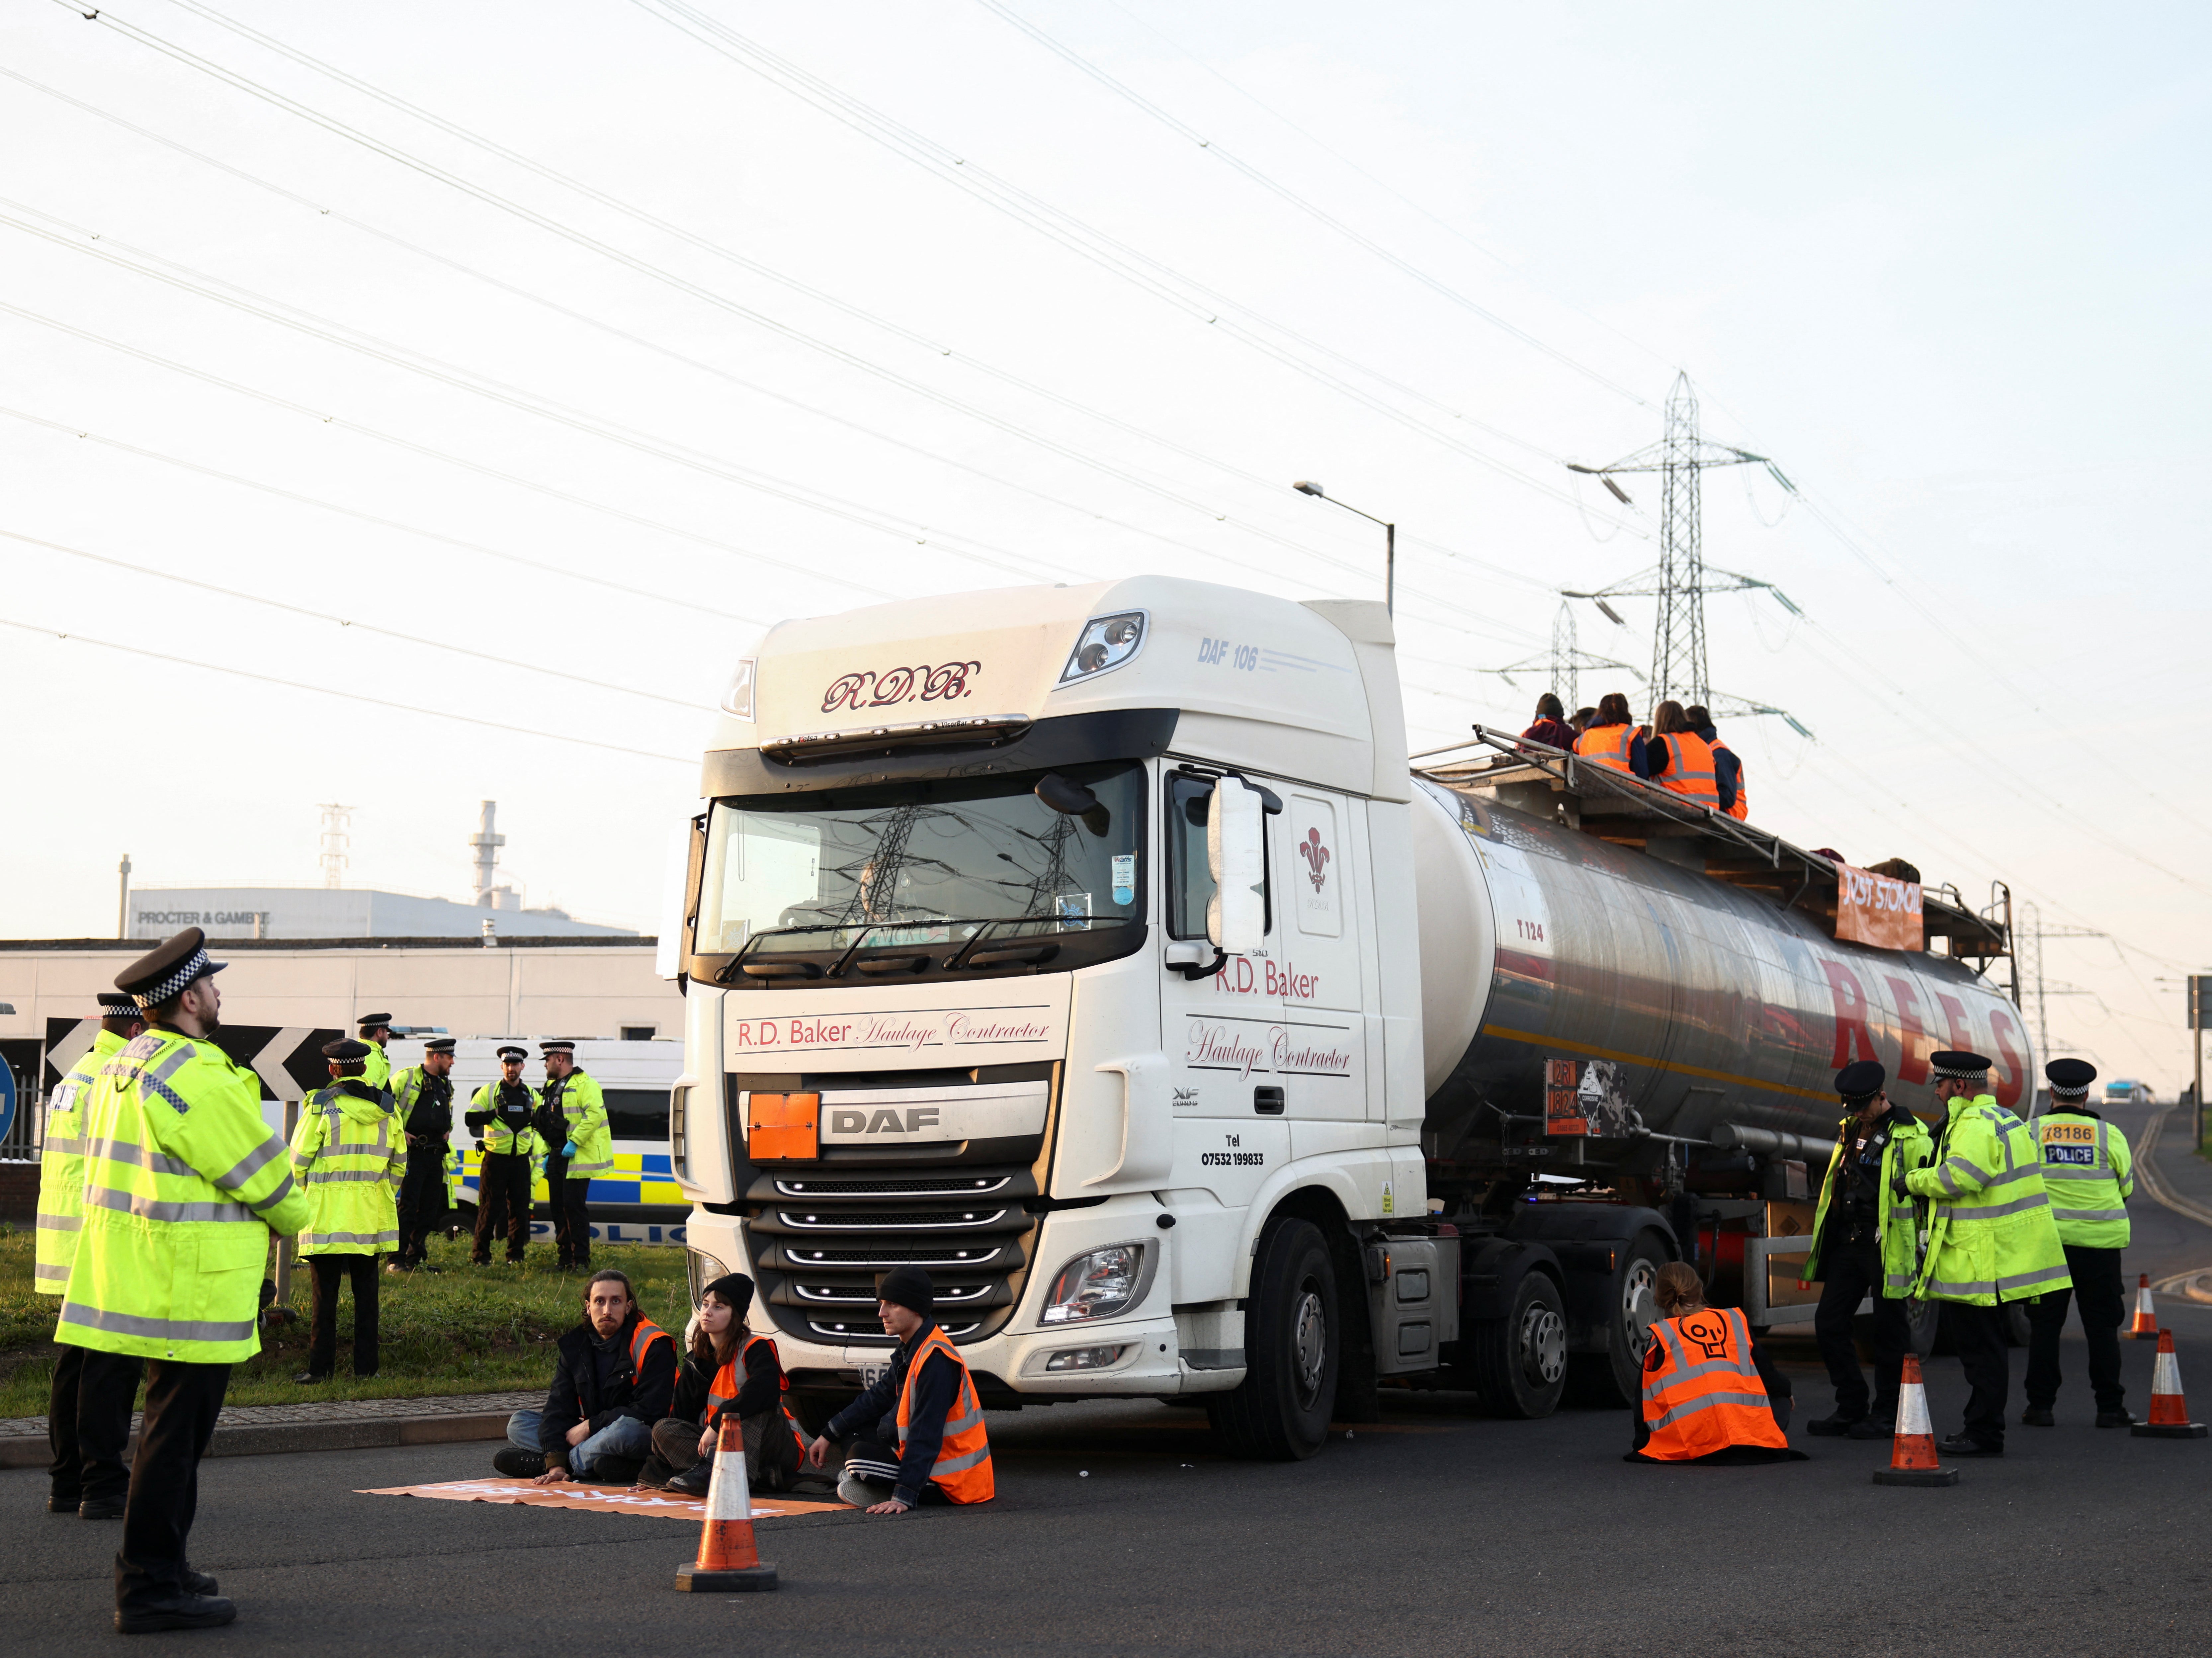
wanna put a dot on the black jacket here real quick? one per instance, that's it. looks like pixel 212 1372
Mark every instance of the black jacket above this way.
pixel 761 1390
pixel 576 1395
pixel 876 1412
pixel 512 1103
pixel 433 1115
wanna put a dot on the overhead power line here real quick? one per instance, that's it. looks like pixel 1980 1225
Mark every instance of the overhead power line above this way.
pixel 1283 193
pixel 343 696
pixel 497 659
pixel 688 603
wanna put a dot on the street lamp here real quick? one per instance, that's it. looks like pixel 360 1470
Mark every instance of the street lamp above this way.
pixel 1307 487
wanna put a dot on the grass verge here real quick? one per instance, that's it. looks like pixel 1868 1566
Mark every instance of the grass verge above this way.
pixel 463 1329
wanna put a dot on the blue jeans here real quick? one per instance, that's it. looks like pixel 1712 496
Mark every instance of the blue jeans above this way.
pixel 623 1437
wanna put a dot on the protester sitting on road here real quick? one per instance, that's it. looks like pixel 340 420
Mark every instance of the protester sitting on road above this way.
pixel 1710 1394
pixel 1551 728
pixel 614 1376
pixel 943 1455
pixel 729 1371
pixel 1613 738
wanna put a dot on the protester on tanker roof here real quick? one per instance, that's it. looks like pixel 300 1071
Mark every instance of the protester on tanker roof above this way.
pixel 1681 761
pixel 614 1375
pixel 1551 728
pixel 1614 738
pixel 1710 1394
pixel 1728 769
pixel 729 1372
pixel 1581 719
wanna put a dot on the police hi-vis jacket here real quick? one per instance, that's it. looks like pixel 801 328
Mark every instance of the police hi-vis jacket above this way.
pixel 61 1168
pixel 2090 1175
pixel 183 1184
pixel 349 1154
pixel 1991 1238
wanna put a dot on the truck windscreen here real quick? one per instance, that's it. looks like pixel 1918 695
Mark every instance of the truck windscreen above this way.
pixel 924 863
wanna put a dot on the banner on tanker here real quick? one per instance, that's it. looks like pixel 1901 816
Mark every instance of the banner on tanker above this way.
pixel 1873 909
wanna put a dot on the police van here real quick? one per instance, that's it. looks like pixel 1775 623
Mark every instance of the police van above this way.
pixel 638 1201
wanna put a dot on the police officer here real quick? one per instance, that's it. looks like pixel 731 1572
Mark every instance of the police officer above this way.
pixel 347 1155
pixel 376 1031
pixel 1866 1243
pixel 573 1122
pixel 184 1183
pixel 88 1415
pixel 501 1114
pixel 1991 1236
pixel 422 1101
pixel 2089 1173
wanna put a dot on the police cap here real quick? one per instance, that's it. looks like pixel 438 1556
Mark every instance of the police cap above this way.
pixel 1950 1065
pixel 369 1022
pixel 439 1045
pixel 511 1052
pixel 2070 1079
pixel 563 1046
pixel 347 1055
pixel 1861 1080
pixel 163 974
pixel 115 1005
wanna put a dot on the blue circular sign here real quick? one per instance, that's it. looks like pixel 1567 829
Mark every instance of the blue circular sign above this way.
pixel 7 1098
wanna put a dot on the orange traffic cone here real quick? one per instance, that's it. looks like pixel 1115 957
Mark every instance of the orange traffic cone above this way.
pixel 2169 1412
pixel 2145 1329
pixel 727 1560
pixel 1913 1452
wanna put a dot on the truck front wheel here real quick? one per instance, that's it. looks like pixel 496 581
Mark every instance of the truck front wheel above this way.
pixel 1521 1360
pixel 1280 1412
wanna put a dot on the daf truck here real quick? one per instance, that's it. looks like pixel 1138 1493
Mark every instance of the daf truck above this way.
pixel 1098 949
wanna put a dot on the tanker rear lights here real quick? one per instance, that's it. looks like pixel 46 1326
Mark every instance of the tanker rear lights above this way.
pixel 1106 643
pixel 782 1126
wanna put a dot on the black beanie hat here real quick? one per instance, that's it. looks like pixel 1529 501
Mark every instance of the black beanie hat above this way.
pixel 734 1291
pixel 909 1287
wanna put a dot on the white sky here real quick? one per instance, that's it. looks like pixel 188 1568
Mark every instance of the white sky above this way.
pixel 1947 267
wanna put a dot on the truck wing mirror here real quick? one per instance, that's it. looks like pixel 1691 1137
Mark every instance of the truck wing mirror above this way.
pixel 1236 916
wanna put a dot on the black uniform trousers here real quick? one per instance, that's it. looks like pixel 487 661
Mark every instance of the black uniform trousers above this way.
pixel 182 1402
pixel 89 1423
pixel 503 1200
pixel 570 1200
pixel 1978 1335
pixel 330 1270
pixel 2104 1298
pixel 1853 1272
pixel 423 1206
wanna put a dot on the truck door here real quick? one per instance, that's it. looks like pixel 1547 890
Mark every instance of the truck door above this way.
pixel 1220 1032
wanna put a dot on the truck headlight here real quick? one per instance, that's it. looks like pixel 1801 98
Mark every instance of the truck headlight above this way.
pixel 1100 1285
pixel 1107 641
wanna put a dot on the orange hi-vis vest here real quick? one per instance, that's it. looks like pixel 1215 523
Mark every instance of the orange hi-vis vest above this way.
pixel 1701 1392
pixel 730 1378
pixel 1690 770
pixel 1609 745
pixel 1742 809
pixel 647 1333
pixel 963 1468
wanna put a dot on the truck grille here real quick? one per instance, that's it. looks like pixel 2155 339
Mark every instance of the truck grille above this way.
pixel 819 1241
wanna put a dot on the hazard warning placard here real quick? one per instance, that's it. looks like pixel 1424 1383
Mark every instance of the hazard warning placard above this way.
pixel 605 1499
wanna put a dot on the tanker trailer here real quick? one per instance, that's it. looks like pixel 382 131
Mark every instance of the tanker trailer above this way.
pixel 1639 1007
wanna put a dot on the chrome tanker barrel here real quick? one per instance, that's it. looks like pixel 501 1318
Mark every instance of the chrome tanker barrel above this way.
pixel 1575 985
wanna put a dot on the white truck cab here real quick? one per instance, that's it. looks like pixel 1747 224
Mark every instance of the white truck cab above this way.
pixel 963 989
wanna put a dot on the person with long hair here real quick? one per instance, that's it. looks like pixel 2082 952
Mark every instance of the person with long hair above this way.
pixel 1681 764
pixel 1710 1394
pixel 1614 738
pixel 1551 728
pixel 728 1371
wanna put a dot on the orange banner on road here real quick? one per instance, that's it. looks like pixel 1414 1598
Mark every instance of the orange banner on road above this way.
pixel 1873 909
pixel 606 1499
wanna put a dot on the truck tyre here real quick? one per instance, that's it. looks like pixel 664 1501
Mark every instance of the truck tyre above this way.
pixel 1614 1375
pixel 1279 1412
pixel 1521 1360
